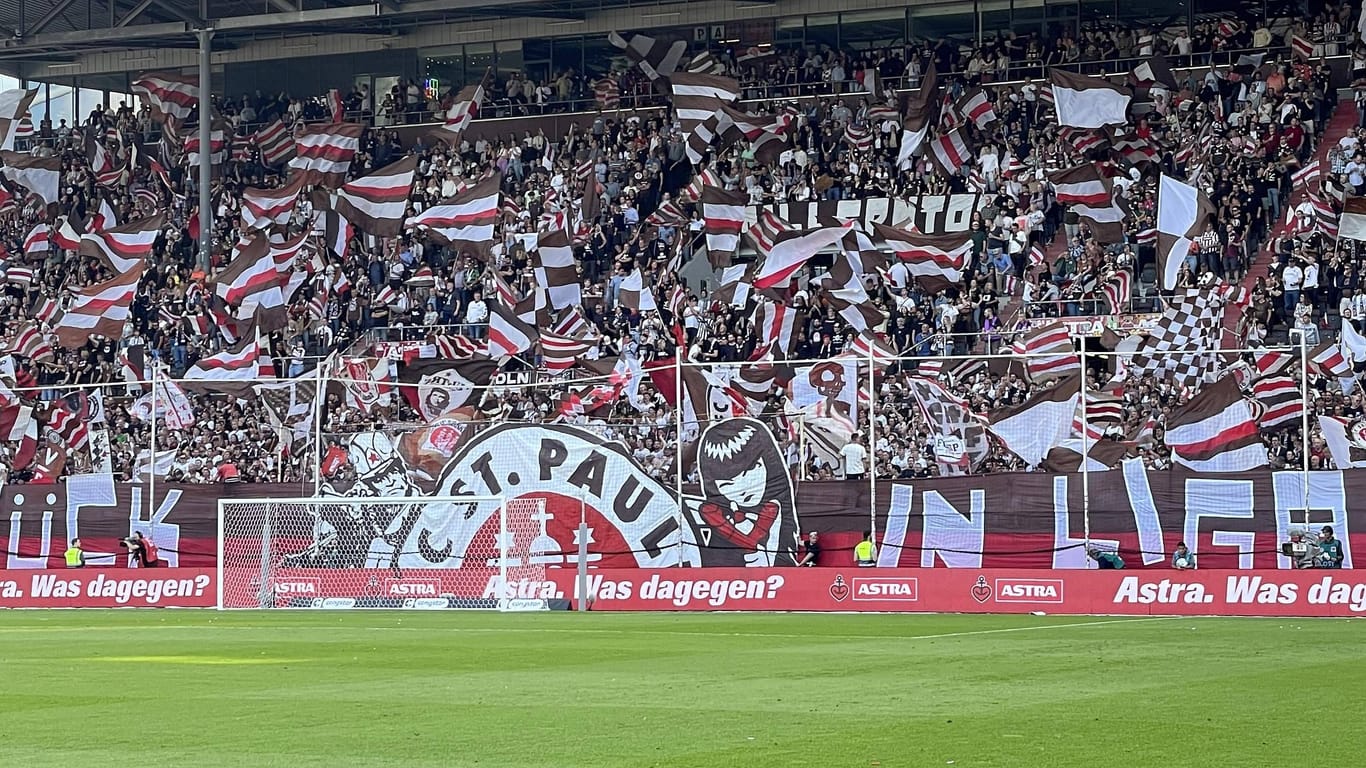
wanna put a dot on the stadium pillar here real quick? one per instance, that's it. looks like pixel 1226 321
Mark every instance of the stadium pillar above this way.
pixel 205 37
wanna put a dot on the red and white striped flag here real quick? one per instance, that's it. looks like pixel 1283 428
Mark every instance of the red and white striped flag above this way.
pixel 466 218
pixel 859 137
pixel 125 246
pixel 790 252
pixel 1307 176
pixel 31 343
pixel 976 107
pixel 1216 431
pixel 1037 254
pixel 336 106
pixel 376 203
pixel 950 152
pixel 237 363
pixel 1301 48
pixel 37 240
pixel 323 153
pixel 102 309
pixel 508 334
pixel 607 92
pixel 275 142
pixel 168 95
pixel 1049 353
pixel 253 278
pixel 934 260
pixel 264 208
pixel 1118 288
pixel 468 103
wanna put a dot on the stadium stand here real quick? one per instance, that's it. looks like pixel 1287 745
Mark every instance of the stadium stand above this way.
pixel 574 245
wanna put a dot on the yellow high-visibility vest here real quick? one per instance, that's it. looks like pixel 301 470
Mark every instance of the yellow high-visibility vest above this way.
pixel 863 552
pixel 75 558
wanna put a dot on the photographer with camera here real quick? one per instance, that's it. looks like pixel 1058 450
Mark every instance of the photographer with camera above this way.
pixel 143 550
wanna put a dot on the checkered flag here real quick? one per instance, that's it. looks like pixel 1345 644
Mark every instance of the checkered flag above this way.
pixel 1183 346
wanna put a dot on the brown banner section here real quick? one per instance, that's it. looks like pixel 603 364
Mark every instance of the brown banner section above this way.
pixel 993 521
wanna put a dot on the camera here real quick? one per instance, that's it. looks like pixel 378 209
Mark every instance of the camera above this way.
pixel 1303 548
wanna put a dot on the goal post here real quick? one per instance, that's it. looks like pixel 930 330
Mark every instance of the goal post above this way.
pixel 471 552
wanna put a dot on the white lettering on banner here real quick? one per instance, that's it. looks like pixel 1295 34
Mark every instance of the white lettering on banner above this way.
pixel 165 535
pixel 1327 494
pixel 1165 592
pixel 931 214
pixel 957 539
pixel 426 588
pixel 11 590
pixel 1249 590
pixel 118 589
pixel 904 590
pixel 1029 590
pixel 511 461
pixel 88 491
pixel 15 561
pixel 1069 552
pixel 712 592
pixel 898 519
pixel 1332 592
pixel 297 587
pixel 1140 495
pixel 1224 499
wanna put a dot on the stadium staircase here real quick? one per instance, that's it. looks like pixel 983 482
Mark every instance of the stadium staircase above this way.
pixel 1339 125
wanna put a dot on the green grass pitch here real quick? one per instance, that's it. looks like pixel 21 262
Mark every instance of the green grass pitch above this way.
pixel 364 688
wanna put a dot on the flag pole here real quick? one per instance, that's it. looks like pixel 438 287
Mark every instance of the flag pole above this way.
pixel 205 170
pixel 319 395
pixel 152 482
pixel 678 443
pixel 872 440
pixel 1304 413
pixel 1085 451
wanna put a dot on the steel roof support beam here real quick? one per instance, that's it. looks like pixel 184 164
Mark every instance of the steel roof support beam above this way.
pixel 52 13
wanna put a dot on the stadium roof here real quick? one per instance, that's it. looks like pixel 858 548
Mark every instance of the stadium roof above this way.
pixel 51 31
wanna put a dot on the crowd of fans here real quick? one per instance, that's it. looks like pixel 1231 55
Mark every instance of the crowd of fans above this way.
pixel 1251 133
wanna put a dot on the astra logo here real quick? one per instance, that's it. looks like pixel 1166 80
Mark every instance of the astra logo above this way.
pixel 1029 590
pixel 904 590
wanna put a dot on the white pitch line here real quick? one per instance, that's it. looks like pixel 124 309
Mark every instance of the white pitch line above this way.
pixel 618 631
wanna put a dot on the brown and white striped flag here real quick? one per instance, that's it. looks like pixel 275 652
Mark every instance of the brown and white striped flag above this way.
pixel 697 102
pixel 101 309
pixel 323 153
pixel 124 246
pixel 656 58
pixel 14 105
pixel 466 218
pixel 1216 431
pixel 723 218
pixel 276 143
pixel 264 208
pixel 376 203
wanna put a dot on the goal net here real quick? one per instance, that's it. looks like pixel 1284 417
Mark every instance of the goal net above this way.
pixel 410 552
